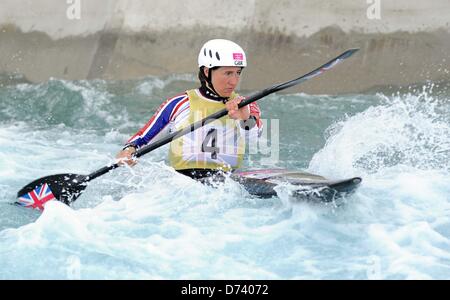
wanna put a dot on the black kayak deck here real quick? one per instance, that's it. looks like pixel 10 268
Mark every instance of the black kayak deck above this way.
pixel 309 186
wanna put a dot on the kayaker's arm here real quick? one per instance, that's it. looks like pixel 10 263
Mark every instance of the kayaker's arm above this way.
pixel 249 115
pixel 165 113
pixel 253 126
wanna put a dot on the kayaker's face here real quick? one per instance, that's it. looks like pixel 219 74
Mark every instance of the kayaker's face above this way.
pixel 225 80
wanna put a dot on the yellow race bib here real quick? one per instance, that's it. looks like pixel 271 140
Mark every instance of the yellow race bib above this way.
pixel 217 145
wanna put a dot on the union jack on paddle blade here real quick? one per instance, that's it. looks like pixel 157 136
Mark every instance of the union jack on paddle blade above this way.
pixel 37 197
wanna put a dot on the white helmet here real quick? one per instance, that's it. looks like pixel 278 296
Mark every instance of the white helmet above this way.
pixel 221 53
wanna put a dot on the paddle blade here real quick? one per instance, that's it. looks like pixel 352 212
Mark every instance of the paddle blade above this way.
pixel 62 187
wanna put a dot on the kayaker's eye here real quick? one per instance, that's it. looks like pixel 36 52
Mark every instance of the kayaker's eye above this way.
pixel 231 73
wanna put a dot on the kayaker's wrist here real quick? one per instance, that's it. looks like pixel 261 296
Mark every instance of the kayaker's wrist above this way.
pixel 245 113
pixel 129 147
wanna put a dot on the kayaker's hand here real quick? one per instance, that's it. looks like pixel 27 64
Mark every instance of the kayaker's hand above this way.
pixel 234 112
pixel 126 157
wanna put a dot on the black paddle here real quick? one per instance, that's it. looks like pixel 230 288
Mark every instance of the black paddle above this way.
pixel 68 187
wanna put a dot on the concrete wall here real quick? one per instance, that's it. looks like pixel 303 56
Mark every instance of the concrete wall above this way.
pixel 119 39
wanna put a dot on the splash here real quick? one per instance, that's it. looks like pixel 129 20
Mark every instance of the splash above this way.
pixel 151 222
pixel 409 131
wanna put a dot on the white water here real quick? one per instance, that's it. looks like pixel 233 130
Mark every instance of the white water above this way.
pixel 151 223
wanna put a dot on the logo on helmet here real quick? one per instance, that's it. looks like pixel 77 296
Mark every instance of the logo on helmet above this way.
pixel 238 62
pixel 238 56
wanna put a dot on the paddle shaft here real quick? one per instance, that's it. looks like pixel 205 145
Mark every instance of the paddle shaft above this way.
pixel 146 149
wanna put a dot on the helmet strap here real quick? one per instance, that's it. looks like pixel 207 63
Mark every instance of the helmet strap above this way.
pixel 207 88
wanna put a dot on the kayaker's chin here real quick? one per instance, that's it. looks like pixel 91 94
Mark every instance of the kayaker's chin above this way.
pixel 226 93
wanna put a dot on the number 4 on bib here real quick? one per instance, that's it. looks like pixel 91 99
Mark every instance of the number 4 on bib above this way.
pixel 211 135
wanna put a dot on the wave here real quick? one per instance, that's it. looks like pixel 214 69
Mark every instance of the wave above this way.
pixel 409 130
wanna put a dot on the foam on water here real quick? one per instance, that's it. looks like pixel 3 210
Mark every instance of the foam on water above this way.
pixel 150 222
pixel 400 148
pixel 406 130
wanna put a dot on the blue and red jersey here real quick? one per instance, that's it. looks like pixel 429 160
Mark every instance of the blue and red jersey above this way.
pixel 172 112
